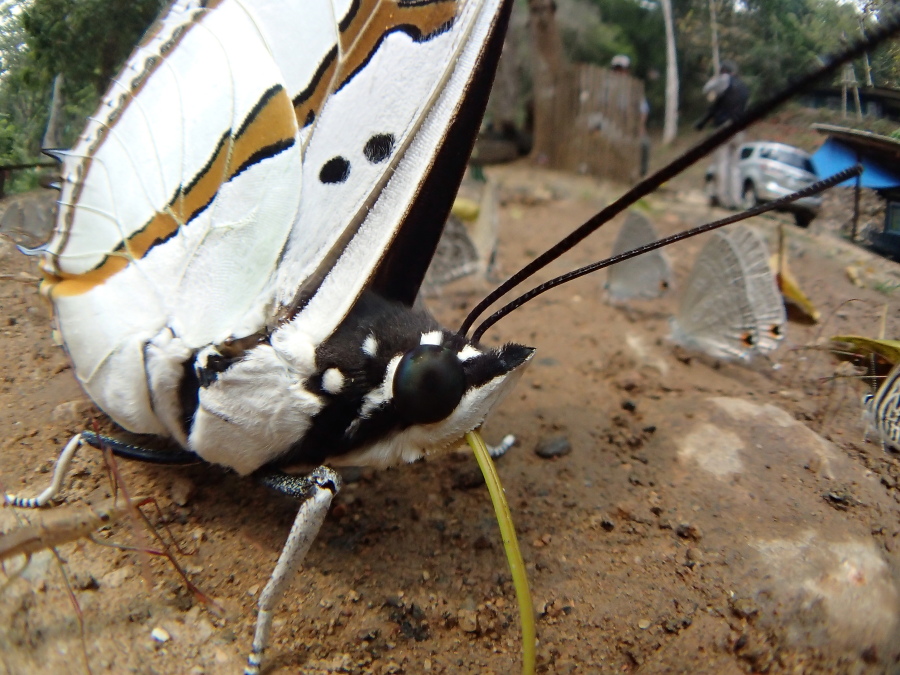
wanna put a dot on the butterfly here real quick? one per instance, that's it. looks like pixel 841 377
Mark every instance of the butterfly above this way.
pixel 244 226
pixel 648 276
pixel 882 409
pixel 731 307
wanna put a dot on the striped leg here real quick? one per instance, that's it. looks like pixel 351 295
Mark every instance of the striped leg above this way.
pixel 317 490
pixel 59 474
pixel 503 447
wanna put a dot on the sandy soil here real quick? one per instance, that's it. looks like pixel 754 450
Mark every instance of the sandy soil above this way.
pixel 711 517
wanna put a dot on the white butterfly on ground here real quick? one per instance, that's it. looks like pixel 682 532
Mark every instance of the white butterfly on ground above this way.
pixel 243 228
pixel 731 307
pixel 454 258
pixel 643 277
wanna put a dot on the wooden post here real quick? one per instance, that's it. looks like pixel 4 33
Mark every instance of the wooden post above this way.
pixel 550 95
pixel 714 28
pixel 670 126
pixel 856 190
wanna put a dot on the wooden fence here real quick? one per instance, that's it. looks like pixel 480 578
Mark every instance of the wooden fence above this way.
pixel 594 121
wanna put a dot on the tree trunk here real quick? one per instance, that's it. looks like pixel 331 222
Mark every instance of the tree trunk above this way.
pixel 670 128
pixel 714 29
pixel 549 76
pixel 51 135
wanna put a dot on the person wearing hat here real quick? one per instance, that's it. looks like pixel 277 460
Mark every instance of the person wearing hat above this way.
pixel 728 97
pixel 621 63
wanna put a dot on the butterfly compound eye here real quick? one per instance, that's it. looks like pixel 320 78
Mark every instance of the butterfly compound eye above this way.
pixel 428 384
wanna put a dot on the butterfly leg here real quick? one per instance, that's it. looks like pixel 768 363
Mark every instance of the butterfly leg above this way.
pixel 120 448
pixel 316 490
pixel 503 447
pixel 59 474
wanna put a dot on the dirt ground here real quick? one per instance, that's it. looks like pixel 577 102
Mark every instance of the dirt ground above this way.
pixel 710 518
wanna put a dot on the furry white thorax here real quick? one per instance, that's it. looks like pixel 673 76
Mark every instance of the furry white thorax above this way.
pixel 259 407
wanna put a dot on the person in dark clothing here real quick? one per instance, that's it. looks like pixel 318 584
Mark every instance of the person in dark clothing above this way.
pixel 728 95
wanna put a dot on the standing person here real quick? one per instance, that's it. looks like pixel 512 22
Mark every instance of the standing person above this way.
pixel 621 64
pixel 728 95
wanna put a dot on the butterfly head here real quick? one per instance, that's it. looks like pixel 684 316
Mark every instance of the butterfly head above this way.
pixel 441 391
pixel 394 386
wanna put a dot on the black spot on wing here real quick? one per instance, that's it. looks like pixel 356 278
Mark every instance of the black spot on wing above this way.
pixel 335 170
pixel 379 148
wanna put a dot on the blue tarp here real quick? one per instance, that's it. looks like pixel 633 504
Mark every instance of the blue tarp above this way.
pixel 835 156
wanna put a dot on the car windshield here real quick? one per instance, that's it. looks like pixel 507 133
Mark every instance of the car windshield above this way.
pixel 789 157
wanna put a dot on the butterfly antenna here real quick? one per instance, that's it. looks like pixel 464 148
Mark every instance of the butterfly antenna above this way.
pixel 641 250
pixel 888 28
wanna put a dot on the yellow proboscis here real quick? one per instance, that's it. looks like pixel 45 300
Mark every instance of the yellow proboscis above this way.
pixel 511 546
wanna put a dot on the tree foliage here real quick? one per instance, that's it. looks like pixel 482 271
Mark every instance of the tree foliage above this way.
pixel 85 40
pixel 776 41
pixel 772 41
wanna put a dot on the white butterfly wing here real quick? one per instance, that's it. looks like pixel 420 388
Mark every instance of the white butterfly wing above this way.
pixel 361 178
pixel 646 276
pixel 715 314
pixel 768 306
pixel 176 203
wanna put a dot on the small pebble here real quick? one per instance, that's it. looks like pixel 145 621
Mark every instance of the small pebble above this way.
pixel 71 412
pixel 160 634
pixel 689 531
pixel 85 581
pixel 644 624
pixel 468 620
pixel 555 446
